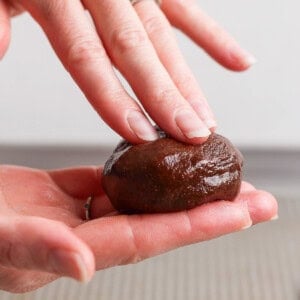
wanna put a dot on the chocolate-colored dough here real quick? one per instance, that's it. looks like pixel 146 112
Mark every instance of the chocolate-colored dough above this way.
pixel 167 175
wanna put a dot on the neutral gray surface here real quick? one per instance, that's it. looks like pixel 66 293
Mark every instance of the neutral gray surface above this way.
pixel 261 263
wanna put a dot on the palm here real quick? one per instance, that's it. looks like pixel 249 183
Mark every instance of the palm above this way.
pixel 55 197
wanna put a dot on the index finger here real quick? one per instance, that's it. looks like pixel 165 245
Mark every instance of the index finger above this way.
pixel 83 55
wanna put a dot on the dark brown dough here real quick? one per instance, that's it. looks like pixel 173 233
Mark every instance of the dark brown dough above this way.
pixel 167 175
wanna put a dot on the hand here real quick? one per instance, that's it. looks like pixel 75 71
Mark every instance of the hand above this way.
pixel 43 234
pixel 137 40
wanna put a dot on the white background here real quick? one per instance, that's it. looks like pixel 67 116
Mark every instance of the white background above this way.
pixel 39 103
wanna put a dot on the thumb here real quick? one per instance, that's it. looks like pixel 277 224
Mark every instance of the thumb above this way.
pixel 4 28
pixel 34 243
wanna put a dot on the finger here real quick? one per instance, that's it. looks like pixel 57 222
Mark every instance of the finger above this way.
pixel 126 239
pixel 21 281
pixel 83 182
pixel 33 243
pixel 262 205
pixel 83 55
pixel 247 187
pixel 79 182
pixel 162 37
pixel 132 52
pixel 188 17
pixel 4 28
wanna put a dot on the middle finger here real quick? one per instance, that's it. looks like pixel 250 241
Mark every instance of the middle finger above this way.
pixel 163 39
pixel 132 52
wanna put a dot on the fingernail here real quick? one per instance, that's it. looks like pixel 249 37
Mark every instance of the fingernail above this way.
pixel 274 218
pixel 69 264
pixel 241 55
pixel 250 59
pixel 247 226
pixel 141 126
pixel 204 111
pixel 211 123
pixel 190 124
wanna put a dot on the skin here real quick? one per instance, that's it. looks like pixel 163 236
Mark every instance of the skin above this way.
pixel 36 205
pixel 139 41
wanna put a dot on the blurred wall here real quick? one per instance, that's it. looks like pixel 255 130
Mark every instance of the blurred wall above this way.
pixel 39 103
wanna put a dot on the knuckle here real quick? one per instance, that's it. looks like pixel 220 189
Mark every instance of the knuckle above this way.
pixel 185 82
pixel 155 25
pixel 113 98
pixel 127 39
pixel 84 51
pixel 166 98
pixel 134 255
pixel 49 9
pixel 119 99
